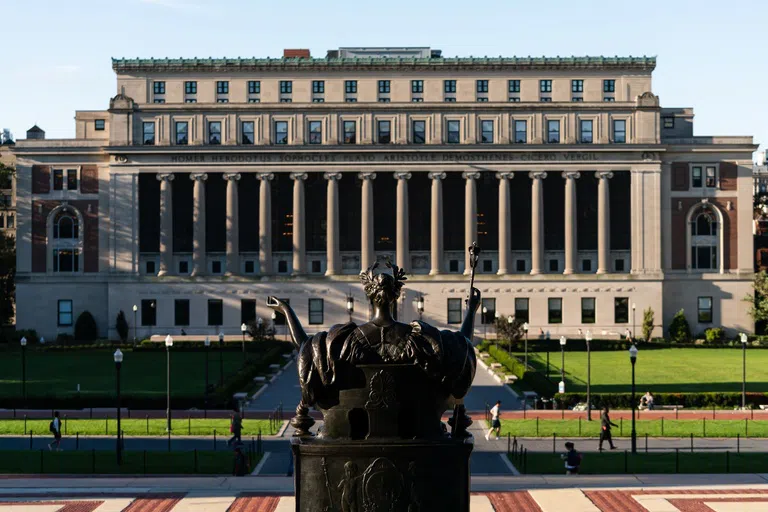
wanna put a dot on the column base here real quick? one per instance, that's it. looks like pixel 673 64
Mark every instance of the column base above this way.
pixel 568 271
pixel 535 271
pixel 502 272
pixel 196 273
pixel 601 271
pixel 434 272
pixel 330 273
pixel 162 273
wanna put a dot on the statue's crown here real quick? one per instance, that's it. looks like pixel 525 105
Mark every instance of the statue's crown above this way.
pixel 373 282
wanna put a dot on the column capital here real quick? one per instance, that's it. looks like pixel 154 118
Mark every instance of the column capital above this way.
pixel 537 175
pixel 367 175
pixel 332 176
pixel 505 175
pixel 470 175
pixel 402 175
pixel 231 176
pixel 198 176
pixel 604 175
pixel 165 176
pixel 299 176
pixel 265 176
pixel 437 175
pixel 571 175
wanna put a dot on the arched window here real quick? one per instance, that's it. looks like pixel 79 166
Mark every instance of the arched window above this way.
pixel 66 241
pixel 65 226
pixel 704 240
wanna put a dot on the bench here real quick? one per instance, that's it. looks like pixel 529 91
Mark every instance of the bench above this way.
pixel 495 365
pixel 670 407
pixel 510 378
pixel 275 366
pixel 260 378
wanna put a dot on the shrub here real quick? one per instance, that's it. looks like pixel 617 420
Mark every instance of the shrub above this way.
pixel 85 327
pixel 679 330
pixel 648 324
pixel 687 400
pixel 121 325
pixel 64 339
pixel 511 332
pixel 13 337
pixel 260 330
pixel 714 335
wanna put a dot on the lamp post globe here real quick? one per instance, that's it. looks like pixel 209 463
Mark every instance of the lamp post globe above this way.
pixel 118 357
pixel 525 329
pixel 135 310
pixel 562 360
pixel 588 338
pixel 350 306
pixel 743 338
pixel 243 330
pixel 420 306
pixel 484 319
pixel 633 360
pixel 168 345
pixel 42 340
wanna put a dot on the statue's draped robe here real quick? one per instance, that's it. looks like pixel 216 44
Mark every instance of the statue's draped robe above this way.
pixel 446 356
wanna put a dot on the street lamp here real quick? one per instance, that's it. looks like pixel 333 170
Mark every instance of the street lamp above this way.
pixel 562 364
pixel 274 322
pixel 633 319
pixel 168 345
pixel 547 338
pixel 118 363
pixel 243 329
pixel 350 307
pixel 207 343
pixel 633 359
pixel 420 306
pixel 588 338
pixel 221 358
pixel 485 324
pixel 23 342
pixel 135 311
pixel 743 338
pixel 525 328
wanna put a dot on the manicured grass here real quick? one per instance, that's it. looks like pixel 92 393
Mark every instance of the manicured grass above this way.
pixel 143 373
pixel 136 427
pixel 105 462
pixel 675 370
pixel 671 428
pixel 644 463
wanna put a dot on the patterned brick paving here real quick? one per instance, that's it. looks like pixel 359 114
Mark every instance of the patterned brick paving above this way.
pixel 699 505
pixel 517 501
pixel 622 501
pixel 66 506
pixel 154 503
pixel 255 504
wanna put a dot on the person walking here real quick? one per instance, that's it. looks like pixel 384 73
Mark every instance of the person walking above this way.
pixel 605 429
pixel 241 466
pixel 55 428
pixel 236 428
pixel 495 421
pixel 572 459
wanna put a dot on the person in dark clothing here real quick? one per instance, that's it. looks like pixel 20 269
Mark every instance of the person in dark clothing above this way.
pixel 605 429
pixel 242 467
pixel 236 428
pixel 572 459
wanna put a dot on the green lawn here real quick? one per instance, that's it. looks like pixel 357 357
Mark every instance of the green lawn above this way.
pixel 136 427
pixel 644 463
pixel 143 373
pixel 682 370
pixel 671 428
pixel 105 462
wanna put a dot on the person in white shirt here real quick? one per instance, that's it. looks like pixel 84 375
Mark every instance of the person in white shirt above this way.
pixel 55 428
pixel 495 421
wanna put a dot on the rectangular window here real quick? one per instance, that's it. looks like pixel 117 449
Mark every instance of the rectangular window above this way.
pixel 254 87
pixel 98 125
pixel 385 132
pixel 545 85
pixel 315 311
pixel 668 122
pixel 514 85
pixel 705 310
pixel 384 87
pixel 250 267
pixel 350 86
pixel 488 311
pixel 482 99
pixel 281 132
pixel 214 132
pixel 609 85
pixel 158 87
pixel 521 132
pixel 148 312
pixel 58 179
pixel 350 132
pixel 419 132
pixel 577 99
pixel 222 100
pixel 417 86
pixel 222 87
pixel 609 99
pixel 318 86
pixel 619 264
pixel 586 265
pixel 247 311
pixel 696 179
pixel 65 313
pixel 71 179
pixel 577 85
pixel 249 135
pixel 587 310
pixel 454 311
pixel 521 309
pixel 449 85
pixel 11 221
pixel 315 132
pixel 286 100
pixel 286 87
pixel 351 100
pixel 66 260
pixel 520 265
pixel 619 131
pixel 585 127
pixel 711 177
pixel 453 265
pixel 546 99
pixel 555 311
pixel 181 312
pixel 553 132
pixel 158 100
pixel 553 265
pixel 481 85
pixel 190 87
pixel 318 100
pixel 486 132
pixel 182 132
pixel 190 100
pixel 148 130
pixel 282 267
pixel 417 100
pixel 453 132
pixel 621 310
pixel 450 100
pixel 215 312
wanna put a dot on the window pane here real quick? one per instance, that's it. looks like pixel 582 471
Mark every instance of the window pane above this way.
pixel 521 132
pixel 181 133
pixel 350 132
pixel 453 132
pixel 215 312
pixel 149 134
pixel 247 311
pixel 705 309
pixel 58 179
pixel 315 132
pixel 586 132
pixel 454 311
pixel 696 173
pixel 619 131
pixel 419 136
pixel 486 132
pixel 385 133
pixel 711 177
pixel 488 311
pixel 214 132
pixel 587 310
pixel 553 131
pixel 315 311
pixel 148 312
pixel 181 312
pixel 555 307
pixel 248 132
pixel 521 309
pixel 71 179
pixel 281 132
pixel 621 310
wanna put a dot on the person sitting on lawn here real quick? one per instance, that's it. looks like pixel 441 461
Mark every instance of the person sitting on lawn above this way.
pixel 649 401
pixel 572 459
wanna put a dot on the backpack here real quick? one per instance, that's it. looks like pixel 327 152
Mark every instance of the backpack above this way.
pixel 574 459
pixel 52 427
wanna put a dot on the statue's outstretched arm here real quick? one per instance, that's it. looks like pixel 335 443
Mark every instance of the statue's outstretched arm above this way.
pixel 298 336
pixel 468 327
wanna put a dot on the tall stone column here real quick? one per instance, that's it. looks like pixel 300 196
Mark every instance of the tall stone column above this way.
pixel 265 223
pixel 402 237
pixel 537 222
pixel 603 223
pixel 198 223
pixel 166 224
pixel 333 257
pixel 571 246
pixel 470 214
pixel 505 227
pixel 436 224
pixel 299 236
pixel 367 253
pixel 233 229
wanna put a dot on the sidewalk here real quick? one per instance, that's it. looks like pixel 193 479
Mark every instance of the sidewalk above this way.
pixel 682 414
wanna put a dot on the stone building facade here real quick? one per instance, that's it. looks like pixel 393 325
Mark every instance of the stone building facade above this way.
pixel 209 184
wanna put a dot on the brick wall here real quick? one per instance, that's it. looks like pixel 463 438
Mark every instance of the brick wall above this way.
pixel 680 208
pixel 40 212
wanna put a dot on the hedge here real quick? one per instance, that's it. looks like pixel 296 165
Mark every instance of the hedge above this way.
pixel 687 400
pixel 531 377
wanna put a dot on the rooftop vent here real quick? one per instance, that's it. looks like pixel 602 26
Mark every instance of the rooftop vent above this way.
pixel 296 53
pixel 36 133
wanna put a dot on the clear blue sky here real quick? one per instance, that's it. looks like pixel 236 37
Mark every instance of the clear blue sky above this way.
pixel 711 54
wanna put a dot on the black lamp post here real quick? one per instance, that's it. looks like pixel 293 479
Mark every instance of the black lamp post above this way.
pixel 118 363
pixel 525 328
pixel 274 322
pixel 23 342
pixel 546 337
pixel 168 345
pixel 350 306
pixel 588 338
pixel 221 358
pixel 420 306
pixel 135 311
pixel 243 329
pixel 633 359
pixel 207 349
pixel 633 319
pixel 484 319
pixel 743 338
pixel 562 359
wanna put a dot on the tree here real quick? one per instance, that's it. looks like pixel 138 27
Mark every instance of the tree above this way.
pixel 7 278
pixel 122 326
pixel 648 324
pixel 679 330
pixel 85 327
pixel 509 331
pixel 759 301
